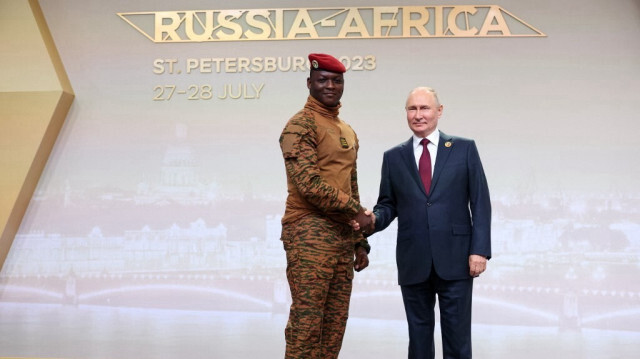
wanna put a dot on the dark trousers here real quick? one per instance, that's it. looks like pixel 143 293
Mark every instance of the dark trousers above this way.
pixel 454 301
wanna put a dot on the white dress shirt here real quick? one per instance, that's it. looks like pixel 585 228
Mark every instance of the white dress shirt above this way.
pixel 433 138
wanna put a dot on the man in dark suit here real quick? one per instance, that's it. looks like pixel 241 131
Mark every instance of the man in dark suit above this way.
pixel 439 193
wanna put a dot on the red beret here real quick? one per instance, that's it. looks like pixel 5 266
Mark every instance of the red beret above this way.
pixel 326 62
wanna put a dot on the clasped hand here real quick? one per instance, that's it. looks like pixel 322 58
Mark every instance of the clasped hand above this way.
pixel 364 221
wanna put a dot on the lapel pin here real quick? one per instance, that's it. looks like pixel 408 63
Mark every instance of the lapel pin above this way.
pixel 447 144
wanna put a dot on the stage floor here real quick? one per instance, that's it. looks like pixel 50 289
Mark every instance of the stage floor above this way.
pixel 55 331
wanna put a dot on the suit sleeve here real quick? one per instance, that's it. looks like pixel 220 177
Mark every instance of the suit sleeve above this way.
pixel 385 208
pixel 479 204
pixel 298 144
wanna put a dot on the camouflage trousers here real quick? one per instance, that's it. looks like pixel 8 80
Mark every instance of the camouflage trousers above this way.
pixel 320 257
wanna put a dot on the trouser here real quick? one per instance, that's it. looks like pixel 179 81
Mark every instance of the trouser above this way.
pixel 454 300
pixel 320 257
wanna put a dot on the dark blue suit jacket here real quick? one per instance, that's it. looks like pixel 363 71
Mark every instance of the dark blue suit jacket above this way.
pixel 443 228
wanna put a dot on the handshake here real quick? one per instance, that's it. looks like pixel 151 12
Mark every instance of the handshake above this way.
pixel 365 221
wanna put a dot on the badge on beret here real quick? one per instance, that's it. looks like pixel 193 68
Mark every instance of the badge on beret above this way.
pixel 447 144
pixel 326 63
pixel 343 142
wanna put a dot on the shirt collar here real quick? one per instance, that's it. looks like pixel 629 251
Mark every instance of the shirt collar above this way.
pixel 434 138
pixel 329 112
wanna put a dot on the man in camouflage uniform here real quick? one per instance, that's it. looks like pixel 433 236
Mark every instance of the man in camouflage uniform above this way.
pixel 320 153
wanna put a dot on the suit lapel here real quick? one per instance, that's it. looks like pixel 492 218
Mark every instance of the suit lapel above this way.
pixel 410 163
pixel 444 150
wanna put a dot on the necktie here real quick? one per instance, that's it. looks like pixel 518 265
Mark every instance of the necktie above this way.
pixel 424 167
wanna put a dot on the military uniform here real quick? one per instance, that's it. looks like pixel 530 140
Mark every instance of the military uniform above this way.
pixel 320 154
